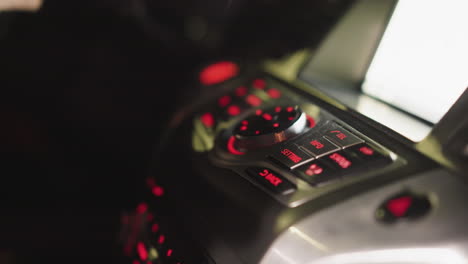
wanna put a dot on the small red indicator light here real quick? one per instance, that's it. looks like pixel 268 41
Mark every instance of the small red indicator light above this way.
pixel 231 148
pixel 207 119
pixel 257 132
pixel 245 122
pixel 169 252
pixel 314 169
pixel 291 155
pixel 366 151
pixel 142 252
pixel 274 93
pixel 241 91
pixel 224 101
pixel 158 191
pixel 218 72
pixel 340 160
pixel 399 206
pixel 161 239
pixel 243 128
pixel 267 117
pixel 233 110
pixel 259 84
pixel 258 112
pixel 141 208
pixel 275 125
pixel 155 228
pixel 253 100
pixel 290 109
pixel 277 109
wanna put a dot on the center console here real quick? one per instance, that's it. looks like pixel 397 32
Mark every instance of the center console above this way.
pixel 267 167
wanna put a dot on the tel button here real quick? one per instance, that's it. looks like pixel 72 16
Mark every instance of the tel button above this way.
pixel 340 136
pixel 271 180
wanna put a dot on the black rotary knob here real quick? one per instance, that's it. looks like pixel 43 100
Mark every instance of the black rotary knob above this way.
pixel 270 126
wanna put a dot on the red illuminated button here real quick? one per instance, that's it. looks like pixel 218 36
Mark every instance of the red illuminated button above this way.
pixel 259 84
pixel 271 180
pixel 399 206
pixel 291 156
pixel 340 136
pixel 274 93
pixel 344 164
pixel 317 173
pixel 218 72
pixel 406 205
pixel 368 154
pixel 317 145
pixel 208 120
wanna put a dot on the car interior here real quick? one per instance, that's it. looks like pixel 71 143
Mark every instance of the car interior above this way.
pixel 234 131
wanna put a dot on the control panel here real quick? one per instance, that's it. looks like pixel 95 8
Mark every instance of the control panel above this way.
pixel 283 142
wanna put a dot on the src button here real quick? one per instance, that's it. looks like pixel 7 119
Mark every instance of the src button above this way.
pixel 271 180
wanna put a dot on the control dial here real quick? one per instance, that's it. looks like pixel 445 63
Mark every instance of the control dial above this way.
pixel 267 127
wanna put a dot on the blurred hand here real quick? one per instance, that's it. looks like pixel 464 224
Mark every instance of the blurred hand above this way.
pixel 24 5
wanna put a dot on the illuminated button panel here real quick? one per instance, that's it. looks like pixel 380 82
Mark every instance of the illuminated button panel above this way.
pixel 253 93
pixel 287 145
pixel 324 157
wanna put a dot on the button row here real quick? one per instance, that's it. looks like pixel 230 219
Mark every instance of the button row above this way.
pixel 318 172
pixel 331 138
pixel 328 155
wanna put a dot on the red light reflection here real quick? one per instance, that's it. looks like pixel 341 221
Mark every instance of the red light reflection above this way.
pixel 155 228
pixel 161 239
pixel 207 119
pixel 158 191
pixel 311 121
pixel 218 72
pixel 141 208
pixel 253 100
pixel 274 93
pixel 233 110
pixel 231 148
pixel 141 250
pixel 259 84
pixel 241 91
pixel 224 101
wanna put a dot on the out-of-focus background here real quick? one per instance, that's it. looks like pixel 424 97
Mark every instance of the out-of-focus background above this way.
pixel 86 87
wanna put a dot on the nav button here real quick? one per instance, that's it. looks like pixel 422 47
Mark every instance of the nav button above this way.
pixel 271 180
pixel 319 146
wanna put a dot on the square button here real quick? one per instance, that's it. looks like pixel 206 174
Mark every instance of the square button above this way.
pixel 271 180
pixel 368 154
pixel 317 173
pixel 317 145
pixel 291 156
pixel 340 136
